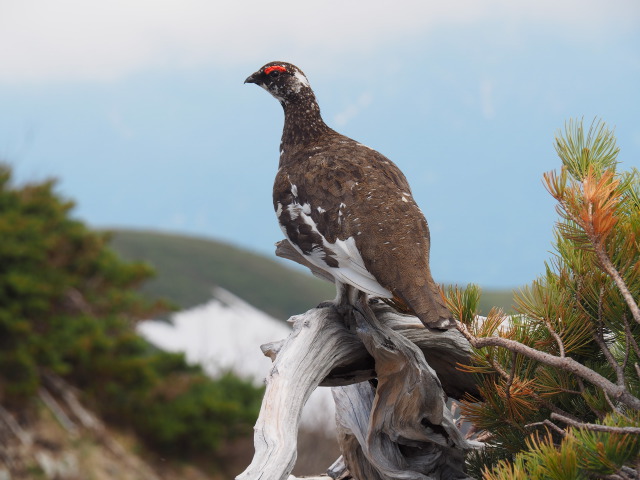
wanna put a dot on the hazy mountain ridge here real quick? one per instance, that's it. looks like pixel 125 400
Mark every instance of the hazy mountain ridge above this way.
pixel 188 268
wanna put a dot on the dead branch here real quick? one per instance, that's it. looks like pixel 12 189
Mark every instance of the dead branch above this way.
pixel 63 390
pixel 547 423
pixel 14 427
pixel 596 427
pixel 556 337
pixel 57 411
pixel 598 336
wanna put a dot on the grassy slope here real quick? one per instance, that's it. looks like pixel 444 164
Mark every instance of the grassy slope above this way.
pixel 188 268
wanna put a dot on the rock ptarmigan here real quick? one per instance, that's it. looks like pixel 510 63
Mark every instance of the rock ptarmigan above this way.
pixel 347 208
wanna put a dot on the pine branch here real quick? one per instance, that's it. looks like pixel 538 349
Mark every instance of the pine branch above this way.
pixel 545 403
pixel 605 262
pixel 567 364
pixel 593 210
pixel 595 427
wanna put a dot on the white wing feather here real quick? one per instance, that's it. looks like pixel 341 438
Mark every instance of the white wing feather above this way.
pixel 350 269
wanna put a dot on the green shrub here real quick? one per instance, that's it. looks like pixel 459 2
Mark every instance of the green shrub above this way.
pixel 68 305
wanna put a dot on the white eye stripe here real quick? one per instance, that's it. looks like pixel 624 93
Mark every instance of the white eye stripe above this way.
pixel 302 79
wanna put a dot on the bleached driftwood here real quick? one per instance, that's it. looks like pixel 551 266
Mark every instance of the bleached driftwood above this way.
pixel 391 377
pixel 318 342
pixel 403 427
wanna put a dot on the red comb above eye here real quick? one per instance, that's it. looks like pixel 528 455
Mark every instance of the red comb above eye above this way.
pixel 272 68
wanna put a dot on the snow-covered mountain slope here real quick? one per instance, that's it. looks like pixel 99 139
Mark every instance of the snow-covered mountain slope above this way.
pixel 225 334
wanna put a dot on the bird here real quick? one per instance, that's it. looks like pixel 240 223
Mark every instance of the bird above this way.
pixel 348 209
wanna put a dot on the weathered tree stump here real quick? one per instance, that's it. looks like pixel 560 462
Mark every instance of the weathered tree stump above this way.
pixel 391 378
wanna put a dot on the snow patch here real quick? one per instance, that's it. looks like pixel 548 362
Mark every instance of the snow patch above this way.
pixel 225 334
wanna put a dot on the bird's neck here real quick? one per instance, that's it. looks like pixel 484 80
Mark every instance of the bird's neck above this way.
pixel 303 125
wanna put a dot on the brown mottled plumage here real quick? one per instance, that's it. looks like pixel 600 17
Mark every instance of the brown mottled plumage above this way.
pixel 347 208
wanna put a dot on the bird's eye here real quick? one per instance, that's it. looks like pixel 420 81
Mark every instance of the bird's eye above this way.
pixel 274 73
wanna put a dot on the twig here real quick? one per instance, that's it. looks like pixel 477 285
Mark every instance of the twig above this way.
pixel 15 428
pixel 627 351
pixel 596 412
pixel 545 403
pixel 610 269
pixel 64 392
pixel 557 337
pixel 596 427
pixel 547 423
pixel 512 374
pixel 57 411
pixel 613 407
pixel 501 371
pixel 566 364
pixel 552 408
pixel 630 337
pixel 598 337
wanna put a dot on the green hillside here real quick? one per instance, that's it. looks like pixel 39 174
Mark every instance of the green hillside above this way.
pixel 187 269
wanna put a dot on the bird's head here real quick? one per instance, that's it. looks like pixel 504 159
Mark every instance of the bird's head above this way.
pixel 284 81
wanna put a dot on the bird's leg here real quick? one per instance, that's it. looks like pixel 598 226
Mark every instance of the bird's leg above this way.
pixel 361 305
pixel 346 297
pixel 342 299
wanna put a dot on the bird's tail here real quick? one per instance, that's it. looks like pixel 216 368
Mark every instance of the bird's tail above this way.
pixel 431 310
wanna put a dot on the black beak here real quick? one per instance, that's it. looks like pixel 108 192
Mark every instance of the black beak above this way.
pixel 253 78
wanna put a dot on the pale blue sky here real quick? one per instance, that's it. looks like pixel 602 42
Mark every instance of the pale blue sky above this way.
pixel 138 107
